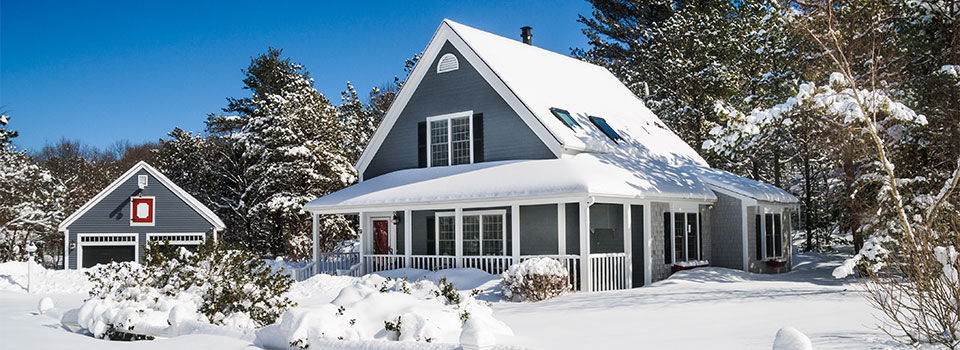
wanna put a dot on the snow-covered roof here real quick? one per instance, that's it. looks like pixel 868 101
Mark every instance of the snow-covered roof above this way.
pixel 543 79
pixel 192 201
pixel 731 182
pixel 650 162
pixel 582 174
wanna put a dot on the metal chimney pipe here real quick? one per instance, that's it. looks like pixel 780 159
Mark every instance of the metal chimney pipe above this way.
pixel 526 35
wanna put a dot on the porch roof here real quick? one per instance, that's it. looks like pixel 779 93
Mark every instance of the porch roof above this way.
pixel 745 187
pixel 574 175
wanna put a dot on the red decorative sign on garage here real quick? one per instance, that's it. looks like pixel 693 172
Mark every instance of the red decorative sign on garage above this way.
pixel 141 210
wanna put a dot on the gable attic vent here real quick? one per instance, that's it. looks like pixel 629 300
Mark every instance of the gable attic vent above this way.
pixel 448 63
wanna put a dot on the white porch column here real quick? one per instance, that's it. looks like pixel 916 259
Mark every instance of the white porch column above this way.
pixel 316 238
pixel 628 244
pixel 586 280
pixel 407 236
pixel 364 234
pixel 515 229
pixel 647 244
pixel 561 229
pixel 458 235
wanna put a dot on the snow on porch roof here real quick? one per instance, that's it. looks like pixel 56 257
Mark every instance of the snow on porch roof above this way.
pixel 745 187
pixel 582 174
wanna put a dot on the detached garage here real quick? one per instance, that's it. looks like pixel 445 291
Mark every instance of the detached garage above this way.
pixel 141 206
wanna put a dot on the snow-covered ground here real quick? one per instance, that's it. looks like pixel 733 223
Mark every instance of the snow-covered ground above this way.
pixel 702 308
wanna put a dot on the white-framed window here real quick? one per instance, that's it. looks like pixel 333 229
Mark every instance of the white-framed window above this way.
pixel 484 233
pixel 683 229
pixel 769 228
pixel 450 139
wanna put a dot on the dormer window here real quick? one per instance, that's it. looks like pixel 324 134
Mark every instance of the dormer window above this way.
pixel 565 117
pixel 450 140
pixel 603 126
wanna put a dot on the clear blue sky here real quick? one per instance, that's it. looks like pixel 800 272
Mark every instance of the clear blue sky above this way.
pixel 103 71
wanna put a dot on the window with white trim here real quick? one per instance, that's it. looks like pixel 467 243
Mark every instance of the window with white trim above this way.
pixel 770 235
pixel 451 139
pixel 483 233
pixel 684 230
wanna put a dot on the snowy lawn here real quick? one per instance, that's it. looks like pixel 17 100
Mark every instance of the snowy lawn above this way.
pixel 705 308
pixel 702 308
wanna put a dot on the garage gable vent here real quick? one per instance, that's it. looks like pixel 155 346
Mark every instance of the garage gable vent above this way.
pixel 448 63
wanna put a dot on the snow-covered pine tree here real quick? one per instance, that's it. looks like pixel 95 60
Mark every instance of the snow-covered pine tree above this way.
pixel 692 56
pixel 30 201
pixel 291 142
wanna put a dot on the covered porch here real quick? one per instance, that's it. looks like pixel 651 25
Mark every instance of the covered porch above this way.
pixel 600 240
pixel 588 212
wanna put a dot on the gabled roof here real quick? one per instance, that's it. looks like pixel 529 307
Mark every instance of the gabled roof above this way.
pixel 532 80
pixel 201 209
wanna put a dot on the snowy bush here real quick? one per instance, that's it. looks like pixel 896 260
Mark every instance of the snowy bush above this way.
pixel 535 279
pixel 213 285
pixel 387 309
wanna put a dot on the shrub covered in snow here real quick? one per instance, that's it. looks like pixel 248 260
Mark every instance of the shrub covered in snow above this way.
pixel 212 285
pixel 535 280
pixel 388 309
pixel 789 338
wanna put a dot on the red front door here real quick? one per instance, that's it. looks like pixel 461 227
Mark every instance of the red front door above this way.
pixel 381 236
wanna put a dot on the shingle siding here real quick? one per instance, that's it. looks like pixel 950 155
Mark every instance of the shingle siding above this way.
pixel 727 236
pixel 659 269
pixel 505 136
pixel 112 215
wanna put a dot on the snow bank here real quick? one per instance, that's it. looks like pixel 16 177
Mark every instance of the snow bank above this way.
pixel 13 277
pixel 364 308
pixel 789 338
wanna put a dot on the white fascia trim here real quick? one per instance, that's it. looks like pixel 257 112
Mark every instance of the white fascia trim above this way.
pixel 750 201
pixel 186 197
pixel 444 34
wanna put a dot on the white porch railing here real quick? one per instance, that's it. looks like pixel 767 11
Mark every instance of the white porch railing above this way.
pixel 329 263
pixel 609 271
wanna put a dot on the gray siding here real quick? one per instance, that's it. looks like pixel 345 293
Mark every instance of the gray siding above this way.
pixel 606 228
pixel 399 231
pixel 112 215
pixel 538 227
pixel 505 135
pixel 727 243
pixel 660 270
pixel 706 233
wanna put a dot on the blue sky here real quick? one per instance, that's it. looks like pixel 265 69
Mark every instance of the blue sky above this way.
pixel 103 71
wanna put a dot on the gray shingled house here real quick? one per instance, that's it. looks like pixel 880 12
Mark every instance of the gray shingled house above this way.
pixel 496 150
pixel 142 205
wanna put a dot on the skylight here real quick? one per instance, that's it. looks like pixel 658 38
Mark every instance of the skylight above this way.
pixel 564 116
pixel 603 126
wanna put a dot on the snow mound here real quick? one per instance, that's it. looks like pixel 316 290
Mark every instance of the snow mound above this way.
pixel 45 305
pixel 13 277
pixel 789 338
